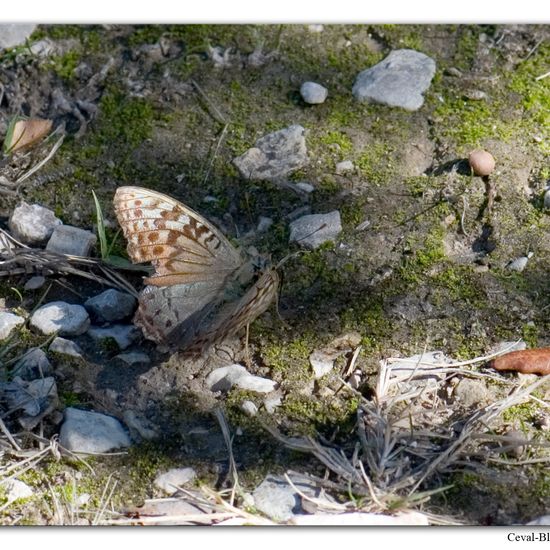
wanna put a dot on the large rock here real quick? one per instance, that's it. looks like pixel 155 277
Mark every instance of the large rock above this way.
pixel 33 224
pixel 91 432
pixel 397 81
pixel 15 34
pixel 274 155
pixel 313 230
pixel 61 317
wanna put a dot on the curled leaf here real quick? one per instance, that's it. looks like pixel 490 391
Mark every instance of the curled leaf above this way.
pixel 24 133
pixel 529 361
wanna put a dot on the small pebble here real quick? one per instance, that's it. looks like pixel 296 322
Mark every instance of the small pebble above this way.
pixel 67 239
pixel 34 283
pixel 344 167
pixel 305 187
pixel 315 28
pixel 34 364
pixel 16 490
pixel 65 347
pixel 264 223
pixel 547 199
pixel 313 93
pixel 313 230
pixel 475 95
pixel 123 335
pixel 519 264
pixel 249 408
pixel 33 224
pixel 481 162
pixel 171 480
pixel 134 358
pixel 111 305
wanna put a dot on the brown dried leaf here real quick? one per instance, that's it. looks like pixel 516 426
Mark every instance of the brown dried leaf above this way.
pixel 27 133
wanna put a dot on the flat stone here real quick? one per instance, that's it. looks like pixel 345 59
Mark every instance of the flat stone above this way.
pixel 224 378
pixel 33 224
pixel 34 283
pixel 34 364
pixel 61 317
pixel 313 93
pixel 273 402
pixel 92 432
pixel 313 230
pixel 123 335
pixel 541 520
pixel 67 239
pixel 277 499
pixel 472 393
pixel 15 34
pixel 65 347
pixel 111 305
pixel 322 363
pixel 305 186
pixel 8 322
pixel 519 264
pixel 134 358
pixel 274 155
pixel 171 480
pixel 398 81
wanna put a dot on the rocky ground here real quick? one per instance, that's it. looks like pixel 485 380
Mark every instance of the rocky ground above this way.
pixel 349 144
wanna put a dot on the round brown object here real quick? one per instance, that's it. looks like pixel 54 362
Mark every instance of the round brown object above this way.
pixel 482 162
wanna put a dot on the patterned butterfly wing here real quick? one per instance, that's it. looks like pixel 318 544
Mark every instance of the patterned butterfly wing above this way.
pixel 236 315
pixel 182 246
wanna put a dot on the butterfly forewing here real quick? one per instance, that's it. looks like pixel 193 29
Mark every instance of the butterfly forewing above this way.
pixel 182 246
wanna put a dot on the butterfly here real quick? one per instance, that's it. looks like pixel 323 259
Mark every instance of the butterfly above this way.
pixel 202 290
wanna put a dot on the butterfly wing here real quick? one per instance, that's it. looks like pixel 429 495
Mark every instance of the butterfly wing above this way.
pixel 182 246
pixel 236 315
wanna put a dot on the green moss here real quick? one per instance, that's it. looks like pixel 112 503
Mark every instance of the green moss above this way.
pixel 530 334
pixel 376 163
pixel 64 65
pixel 337 141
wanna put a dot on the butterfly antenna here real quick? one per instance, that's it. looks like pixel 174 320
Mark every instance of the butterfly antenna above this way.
pixel 294 254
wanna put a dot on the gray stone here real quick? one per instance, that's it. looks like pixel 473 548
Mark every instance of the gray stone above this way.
pixel 224 378
pixel 313 93
pixel 547 198
pixel 171 480
pixel 33 224
pixel 15 34
pixel 65 347
pixel 344 167
pixel 276 498
pixel 313 230
pixel 274 155
pixel 67 239
pixel 140 427
pixel 111 305
pixel 43 48
pixel 508 347
pixel 34 364
pixel 16 490
pixel 519 264
pixel 398 81
pixel 123 335
pixel 305 186
pixel 471 393
pixel 65 319
pixel 34 283
pixel 264 224
pixel 8 321
pixel 134 358
pixel 92 432
pixel 321 363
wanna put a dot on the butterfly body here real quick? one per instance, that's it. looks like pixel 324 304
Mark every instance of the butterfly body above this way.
pixel 198 294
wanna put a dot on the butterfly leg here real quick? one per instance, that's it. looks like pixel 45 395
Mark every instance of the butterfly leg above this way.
pixel 247 348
